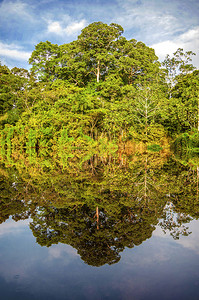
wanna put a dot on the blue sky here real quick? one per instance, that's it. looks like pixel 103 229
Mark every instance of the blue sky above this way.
pixel 163 25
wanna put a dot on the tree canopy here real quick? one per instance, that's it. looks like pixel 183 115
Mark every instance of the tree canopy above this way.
pixel 100 86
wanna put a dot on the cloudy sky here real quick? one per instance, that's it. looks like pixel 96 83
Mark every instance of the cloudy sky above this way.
pixel 163 25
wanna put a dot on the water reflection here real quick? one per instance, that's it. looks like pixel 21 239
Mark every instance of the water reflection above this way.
pixel 99 205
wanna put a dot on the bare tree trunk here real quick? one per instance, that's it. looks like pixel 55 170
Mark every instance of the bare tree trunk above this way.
pixel 145 181
pixel 97 215
pixel 146 117
pixel 98 70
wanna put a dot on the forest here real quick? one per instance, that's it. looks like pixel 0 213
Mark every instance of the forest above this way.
pixel 87 137
pixel 97 92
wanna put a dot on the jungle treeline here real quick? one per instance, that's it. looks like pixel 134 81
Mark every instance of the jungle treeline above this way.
pixel 100 89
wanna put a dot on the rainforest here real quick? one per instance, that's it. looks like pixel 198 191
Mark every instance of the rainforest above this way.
pixel 99 171
pixel 100 91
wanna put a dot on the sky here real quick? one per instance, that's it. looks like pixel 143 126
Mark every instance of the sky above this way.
pixel 164 25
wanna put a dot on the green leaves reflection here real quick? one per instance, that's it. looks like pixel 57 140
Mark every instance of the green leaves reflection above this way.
pixel 99 204
pixel 98 239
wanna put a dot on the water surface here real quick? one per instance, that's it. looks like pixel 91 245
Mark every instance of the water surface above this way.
pixel 99 228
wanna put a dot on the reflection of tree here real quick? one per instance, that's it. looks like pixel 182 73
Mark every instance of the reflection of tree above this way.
pixel 96 245
pixel 182 188
pixel 10 202
pixel 100 205
pixel 183 203
pixel 174 222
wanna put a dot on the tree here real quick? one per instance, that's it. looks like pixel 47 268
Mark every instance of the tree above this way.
pixel 182 90
pixel 147 101
pixel 12 85
pixel 183 108
pixel 100 86
pixel 43 60
pixel 70 65
pixel 179 64
pixel 135 62
pixel 96 45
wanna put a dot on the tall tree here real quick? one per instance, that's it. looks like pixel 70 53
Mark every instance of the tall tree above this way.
pixel 96 43
pixel 135 61
pixel 12 85
pixel 184 105
pixel 178 64
pixel 43 60
pixel 148 103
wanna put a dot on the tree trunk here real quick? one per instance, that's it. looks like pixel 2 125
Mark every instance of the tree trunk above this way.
pixel 98 71
pixel 97 215
pixel 145 181
pixel 146 119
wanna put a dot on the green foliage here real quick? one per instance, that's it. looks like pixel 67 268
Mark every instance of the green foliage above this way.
pixel 154 148
pixel 98 204
pixel 187 142
pixel 100 88
pixel 31 143
pixel 43 60
pixel 179 64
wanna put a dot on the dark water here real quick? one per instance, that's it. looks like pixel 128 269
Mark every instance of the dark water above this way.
pixel 99 228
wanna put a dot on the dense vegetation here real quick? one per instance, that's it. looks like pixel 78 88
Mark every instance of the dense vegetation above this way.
pixel 100 205
pixel 99 90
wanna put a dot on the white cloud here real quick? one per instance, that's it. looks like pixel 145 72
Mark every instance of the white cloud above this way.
pixel 75 27
pixel 13 51
pixel 55 27
pixel 60 251
pixel 190 35
pixel 15 9
pixel 12 227
pixel 188 41
pixel 147 16
pixel 156 21
pixel 164 48
pixel 72 29
pixel 191 241
pixel 161 24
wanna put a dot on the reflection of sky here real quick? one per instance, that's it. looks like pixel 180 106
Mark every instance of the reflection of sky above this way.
pixel 11 227
pixel 191 241
pixel 16 239
pixel 61 251
pixel 160 268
